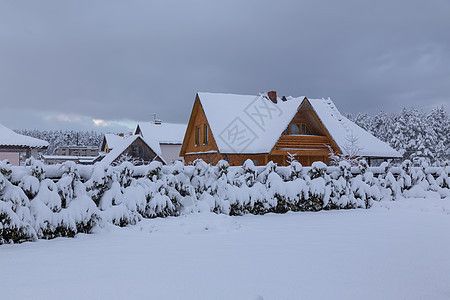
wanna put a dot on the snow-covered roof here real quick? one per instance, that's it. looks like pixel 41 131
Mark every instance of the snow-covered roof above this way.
pixel 257 120
pixel 342 129
pixel 164 133
pixel 69 157
pixel 125 142
pixel 11 138
pixel 113 139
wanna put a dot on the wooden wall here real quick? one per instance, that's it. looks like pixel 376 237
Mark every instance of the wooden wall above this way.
pixel 198 118
pixel 211 158
pixel 307 117
pixel 233 159
pixel 145 152
pixel 259 159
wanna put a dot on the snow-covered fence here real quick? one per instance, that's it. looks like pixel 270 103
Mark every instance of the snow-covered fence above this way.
pixel 40 201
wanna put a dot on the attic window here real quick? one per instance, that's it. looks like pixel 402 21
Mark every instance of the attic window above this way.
pixel 136 151
pixel 294 128
pixel 205 134
pixel 197 135
pixel 297 129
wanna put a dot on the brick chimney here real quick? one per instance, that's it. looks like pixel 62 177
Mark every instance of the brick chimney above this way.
pixel 272 96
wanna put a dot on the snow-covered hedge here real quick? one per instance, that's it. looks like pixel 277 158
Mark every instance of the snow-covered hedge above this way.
pixel 38 201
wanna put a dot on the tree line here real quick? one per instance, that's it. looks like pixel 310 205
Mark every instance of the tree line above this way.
pixel 57 138
pixel 417 135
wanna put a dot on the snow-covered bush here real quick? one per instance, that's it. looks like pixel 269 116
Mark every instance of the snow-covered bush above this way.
pixel 154 171
pixel 125 174
pixel 37 168
pixel 33 206
pixel 113 210
pixel 99 182
pixel 12 228
pixel 15 217
pixel 405 180
pixel 30 186
pixel 295 171
pixel 222 167
pixel 389 186
pixel 5 169
pixel 319 192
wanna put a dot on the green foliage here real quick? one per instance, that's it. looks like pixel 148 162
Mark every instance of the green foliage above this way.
pixel 10 233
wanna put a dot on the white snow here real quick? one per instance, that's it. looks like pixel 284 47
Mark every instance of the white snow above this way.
pixel 396 250
pixel 113 140
pixel 69 157
pixel 164 133
pixel 202 152
pixel 10 138
pixel 341 128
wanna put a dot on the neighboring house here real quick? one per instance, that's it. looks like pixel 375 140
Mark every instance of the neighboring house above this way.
pixel 77 151
pixel 13 146
pixel 169 136
pixel 85 155
pixel 110 141
pixel 132 148
pixel 268 128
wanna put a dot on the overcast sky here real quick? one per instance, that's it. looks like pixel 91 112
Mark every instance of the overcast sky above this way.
pixel 66 64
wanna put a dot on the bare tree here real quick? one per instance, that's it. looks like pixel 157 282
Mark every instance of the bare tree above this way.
pixel 351 151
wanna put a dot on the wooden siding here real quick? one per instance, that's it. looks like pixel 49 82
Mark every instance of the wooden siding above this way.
pixel 232 159
pixel 307 117
pixel 198 118
pixel 302 142
pixel 306 148
pixel 211 158
pixel 305 160
pixel 144 152
pixel 239 159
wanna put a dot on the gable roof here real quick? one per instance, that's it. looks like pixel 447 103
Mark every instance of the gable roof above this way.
pixel 125 142
pixel 11 138
pixel 258 121
pixel 340 129
pixel 111 140
pixel 164 133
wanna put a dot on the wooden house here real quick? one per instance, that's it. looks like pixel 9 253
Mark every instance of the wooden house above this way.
pixel 267 128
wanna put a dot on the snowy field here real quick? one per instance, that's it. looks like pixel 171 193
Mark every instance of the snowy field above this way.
pixel 396 250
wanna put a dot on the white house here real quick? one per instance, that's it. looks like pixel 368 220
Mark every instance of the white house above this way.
pixel 169 136
pixel 12 145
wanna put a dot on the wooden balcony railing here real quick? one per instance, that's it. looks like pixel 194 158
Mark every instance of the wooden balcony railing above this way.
pixel 302 142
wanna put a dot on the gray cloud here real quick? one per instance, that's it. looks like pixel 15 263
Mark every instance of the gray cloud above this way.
pixel 116 60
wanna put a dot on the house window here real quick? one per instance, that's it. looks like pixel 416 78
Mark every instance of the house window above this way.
pixel 297 128
pixel 294 128
pixel 305 129
pixel 136 150
pixel 205 134
pixel 197 135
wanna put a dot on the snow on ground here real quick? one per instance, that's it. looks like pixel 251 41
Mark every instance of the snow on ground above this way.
pixel 396 250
